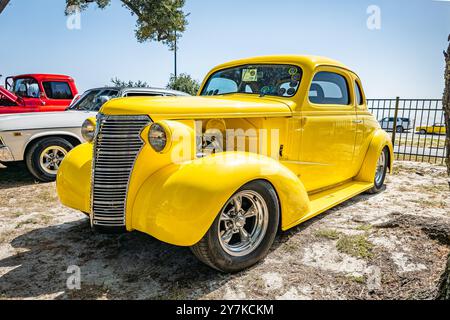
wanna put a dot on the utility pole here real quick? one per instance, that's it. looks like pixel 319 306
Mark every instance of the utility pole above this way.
pixel 175 56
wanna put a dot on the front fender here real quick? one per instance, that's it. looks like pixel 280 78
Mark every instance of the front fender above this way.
pixel 73 182
pixel 380 140
pixel 178 203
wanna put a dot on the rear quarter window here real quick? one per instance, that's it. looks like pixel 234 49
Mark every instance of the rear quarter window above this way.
pixel 57 90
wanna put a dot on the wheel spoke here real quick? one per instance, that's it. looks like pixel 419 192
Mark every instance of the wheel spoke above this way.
pixel 227 235
pixel 251 212
pixel 237 201
pixel 245 237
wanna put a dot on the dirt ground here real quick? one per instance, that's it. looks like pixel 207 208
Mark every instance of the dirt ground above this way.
pixel 393 245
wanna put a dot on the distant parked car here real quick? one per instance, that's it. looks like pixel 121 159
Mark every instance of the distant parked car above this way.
pixel 37 93
pixel 403 124
pixel 43 140
pixel 437 128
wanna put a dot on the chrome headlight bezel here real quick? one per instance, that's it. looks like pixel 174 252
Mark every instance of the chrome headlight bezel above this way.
pixel 159 137
pixel 88 130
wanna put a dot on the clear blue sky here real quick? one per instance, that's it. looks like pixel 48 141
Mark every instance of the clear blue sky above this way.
pixel 403 58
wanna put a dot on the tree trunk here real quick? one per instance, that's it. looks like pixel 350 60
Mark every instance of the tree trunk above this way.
pixel 444 289
pixel 3 4
pixel 446 106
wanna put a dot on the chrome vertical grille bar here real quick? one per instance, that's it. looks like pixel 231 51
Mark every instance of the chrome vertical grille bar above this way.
pixel 116 147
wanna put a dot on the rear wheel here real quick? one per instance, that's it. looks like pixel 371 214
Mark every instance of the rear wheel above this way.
pixel 423 131
pixel 381 170
pixel 400 129
pixel 243 232
pixel 45 156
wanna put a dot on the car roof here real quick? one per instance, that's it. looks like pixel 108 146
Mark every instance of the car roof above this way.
pixel 124 90
pixel 309 61
pixel 44 76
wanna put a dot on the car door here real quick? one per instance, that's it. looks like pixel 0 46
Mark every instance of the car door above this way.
pixel 329 127
pixel 58 94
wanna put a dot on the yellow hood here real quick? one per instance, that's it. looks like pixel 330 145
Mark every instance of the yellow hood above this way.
pixel 232 106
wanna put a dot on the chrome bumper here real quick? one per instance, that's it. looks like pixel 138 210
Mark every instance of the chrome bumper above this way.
pixel 6 155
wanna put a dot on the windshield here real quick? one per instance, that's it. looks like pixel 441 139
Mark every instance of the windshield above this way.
pixel 26 88
pixel 93 100
pixel 272 80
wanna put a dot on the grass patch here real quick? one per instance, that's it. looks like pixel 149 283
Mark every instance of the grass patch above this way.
pixel 356 245
pixel 364 227
pixel 358 279
pixel 328 234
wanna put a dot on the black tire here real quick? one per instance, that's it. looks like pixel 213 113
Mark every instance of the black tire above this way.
pixel 423 131
pixel 378 184
pixel 400 129
pixel 32 157
pixel 210 251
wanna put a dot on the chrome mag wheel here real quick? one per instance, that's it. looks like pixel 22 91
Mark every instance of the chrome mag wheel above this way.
pixel 381 169
pixel 243 223
pixel 50 159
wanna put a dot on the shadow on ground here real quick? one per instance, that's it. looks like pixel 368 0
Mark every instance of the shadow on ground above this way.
pixel 15 175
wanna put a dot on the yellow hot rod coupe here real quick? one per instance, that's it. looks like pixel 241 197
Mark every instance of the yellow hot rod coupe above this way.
pixel 268 143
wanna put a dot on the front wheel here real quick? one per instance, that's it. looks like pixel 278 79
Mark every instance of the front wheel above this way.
pixel 45 156
pixel 244 230
pixel 381 170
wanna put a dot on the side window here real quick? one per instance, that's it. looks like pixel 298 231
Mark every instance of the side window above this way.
pixel 358 94
pixel 57 90
pixel 329 88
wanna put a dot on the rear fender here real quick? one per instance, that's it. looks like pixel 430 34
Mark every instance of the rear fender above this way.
pixel 380 140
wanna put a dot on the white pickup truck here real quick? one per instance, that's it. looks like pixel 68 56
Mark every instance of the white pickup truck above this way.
pixel 43 139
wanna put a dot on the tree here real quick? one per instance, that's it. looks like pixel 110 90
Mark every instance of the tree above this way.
pixel 157 20
pixel 129 84
pixel 3 4
pixel 446 106
pixel 184 83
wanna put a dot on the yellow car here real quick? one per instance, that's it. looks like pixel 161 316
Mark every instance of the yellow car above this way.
pixel 268 143
pixel 437 128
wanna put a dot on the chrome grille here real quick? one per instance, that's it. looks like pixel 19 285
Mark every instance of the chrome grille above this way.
pixel 116 146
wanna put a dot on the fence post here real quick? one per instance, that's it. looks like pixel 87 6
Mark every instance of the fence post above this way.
pixel 394 128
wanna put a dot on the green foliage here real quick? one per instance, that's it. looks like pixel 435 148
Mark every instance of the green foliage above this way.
pixel 357 246
pixel 184 83
pixel 157 20
pixel 129 84
pixel 328 234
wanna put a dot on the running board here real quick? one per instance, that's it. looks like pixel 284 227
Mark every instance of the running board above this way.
pixel 324 200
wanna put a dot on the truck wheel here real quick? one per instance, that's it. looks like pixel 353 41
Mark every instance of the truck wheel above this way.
pixel 400 129
pixel 380 173
pixel 45 156
pixel 243 232
pixel 423 131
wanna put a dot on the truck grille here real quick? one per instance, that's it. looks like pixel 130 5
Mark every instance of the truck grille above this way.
pixel 116 147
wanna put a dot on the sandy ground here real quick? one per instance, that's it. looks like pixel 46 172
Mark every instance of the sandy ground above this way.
pixel 393 245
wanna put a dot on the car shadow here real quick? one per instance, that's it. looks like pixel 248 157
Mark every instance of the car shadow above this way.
pixel 125 266
pixel 15 175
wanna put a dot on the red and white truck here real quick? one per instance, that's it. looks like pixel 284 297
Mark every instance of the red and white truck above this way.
pixel 37 93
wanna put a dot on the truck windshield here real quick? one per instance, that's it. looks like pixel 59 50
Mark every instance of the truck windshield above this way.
pixel 93 100
pixel 26 88
pixel 264 79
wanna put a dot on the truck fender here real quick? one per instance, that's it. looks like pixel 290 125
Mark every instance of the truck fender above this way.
pixel 178 203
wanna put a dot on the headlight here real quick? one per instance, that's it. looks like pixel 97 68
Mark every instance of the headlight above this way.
pixel 158 137
pixel 88 130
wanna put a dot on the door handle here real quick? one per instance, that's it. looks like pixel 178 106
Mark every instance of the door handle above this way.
pixel 357 121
